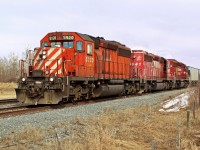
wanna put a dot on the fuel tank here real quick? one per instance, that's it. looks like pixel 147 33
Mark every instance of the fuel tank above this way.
pixel 159 86
pixel 108 90
pixel 182 84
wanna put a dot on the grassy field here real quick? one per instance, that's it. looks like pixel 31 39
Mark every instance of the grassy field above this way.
pixel 7 90
pixel 142 128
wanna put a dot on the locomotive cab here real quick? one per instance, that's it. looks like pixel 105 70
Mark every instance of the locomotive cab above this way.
pixel 76 56
pixel 61 55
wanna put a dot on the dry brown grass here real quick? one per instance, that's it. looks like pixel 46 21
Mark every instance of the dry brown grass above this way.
pixel 135 129
pixel 7 90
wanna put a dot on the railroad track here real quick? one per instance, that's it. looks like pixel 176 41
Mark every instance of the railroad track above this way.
pixel 22 109
pixel 8 101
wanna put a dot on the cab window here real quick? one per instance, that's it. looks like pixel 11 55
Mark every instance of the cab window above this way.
pixel 68 44
pixel 89 49
pixel 79 46
pixel 44 44
pixel 55 44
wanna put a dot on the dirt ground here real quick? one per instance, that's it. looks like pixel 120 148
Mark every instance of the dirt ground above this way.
pixel 143 128
pixel 7 90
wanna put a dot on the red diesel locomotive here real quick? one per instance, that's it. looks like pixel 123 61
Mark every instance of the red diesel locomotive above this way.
pixel 157 72
pixel 70 66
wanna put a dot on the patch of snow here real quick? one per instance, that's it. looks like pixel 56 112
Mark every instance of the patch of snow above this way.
pixel 177 103
pixel 161 110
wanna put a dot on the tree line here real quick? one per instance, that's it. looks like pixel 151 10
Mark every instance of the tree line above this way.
pixel 9 68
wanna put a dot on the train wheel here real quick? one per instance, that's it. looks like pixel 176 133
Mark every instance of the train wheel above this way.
pixel 61 102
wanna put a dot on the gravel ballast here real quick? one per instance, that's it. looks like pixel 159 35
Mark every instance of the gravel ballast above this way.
pixel 49 118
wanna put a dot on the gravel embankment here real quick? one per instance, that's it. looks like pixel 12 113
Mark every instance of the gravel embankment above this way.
pixel 48 118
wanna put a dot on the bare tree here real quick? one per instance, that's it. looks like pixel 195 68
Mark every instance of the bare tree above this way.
pixel 9 67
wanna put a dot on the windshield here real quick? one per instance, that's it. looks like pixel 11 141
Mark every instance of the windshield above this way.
pixel 44 44
pixel 55 44
pixel 65 44
pixel 68 44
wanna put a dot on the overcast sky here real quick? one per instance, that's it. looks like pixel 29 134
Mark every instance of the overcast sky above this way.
pixel 169 28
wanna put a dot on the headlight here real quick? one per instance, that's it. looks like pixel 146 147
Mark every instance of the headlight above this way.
pixel 23 79
pixel 43 57
pixel 44 52
pixel 51 79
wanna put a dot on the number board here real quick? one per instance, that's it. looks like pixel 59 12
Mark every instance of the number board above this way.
pixel 52 38
pixel 68 37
